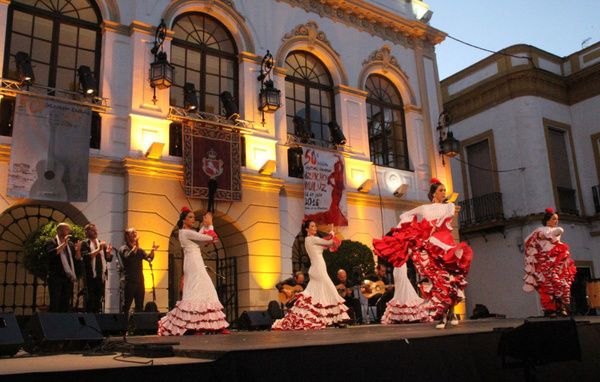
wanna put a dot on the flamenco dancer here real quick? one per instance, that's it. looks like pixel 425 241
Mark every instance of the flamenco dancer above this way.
pixel 549 268
pixel 319 305
pixel 442 264
pixel 199 309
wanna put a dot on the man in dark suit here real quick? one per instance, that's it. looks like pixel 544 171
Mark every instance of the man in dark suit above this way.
pixel 95 253
pixel 346 289
pixel 381 299
pixel 63 266
pixel 298 280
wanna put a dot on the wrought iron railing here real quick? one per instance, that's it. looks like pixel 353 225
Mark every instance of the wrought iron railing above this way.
pixel 481 209
pixel 567 200
pixel 596 196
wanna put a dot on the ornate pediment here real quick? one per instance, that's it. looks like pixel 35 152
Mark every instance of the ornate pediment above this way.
pixel 384 57
pixel 311 31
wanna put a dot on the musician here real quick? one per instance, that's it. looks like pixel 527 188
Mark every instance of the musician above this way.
pixel 346 289
pixel 297 280
pixel 380 300
pixel 133 257
pixel 95 253
pixel 63 267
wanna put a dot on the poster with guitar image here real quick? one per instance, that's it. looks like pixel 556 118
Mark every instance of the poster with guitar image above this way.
pixel 50 150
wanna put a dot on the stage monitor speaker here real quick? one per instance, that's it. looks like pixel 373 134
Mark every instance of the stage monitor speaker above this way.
pixel 255 320
pixel 144 323
pixel 112 324
pixel 542 340
pixel 11 339
pixel 56 332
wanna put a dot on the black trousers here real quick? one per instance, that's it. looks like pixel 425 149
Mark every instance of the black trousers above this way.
pixel 355 311
pixel 95 292
pixel 381 300
pixel 60 289
pixel 134 290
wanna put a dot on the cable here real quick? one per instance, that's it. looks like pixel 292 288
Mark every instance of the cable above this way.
pixel 487 169
pixel 492 51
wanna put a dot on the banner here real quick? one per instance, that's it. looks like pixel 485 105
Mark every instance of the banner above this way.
pixel 50 150
pixel 212 156
pixel 324 187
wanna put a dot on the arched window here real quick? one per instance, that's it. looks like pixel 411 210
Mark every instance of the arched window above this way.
pixel 309 95
pixel 385 120
pixel 204 54
pixel 59 36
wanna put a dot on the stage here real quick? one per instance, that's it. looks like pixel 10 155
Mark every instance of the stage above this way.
pixel 411 352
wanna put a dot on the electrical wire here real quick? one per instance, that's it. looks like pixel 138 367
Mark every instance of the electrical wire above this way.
pixel 488 169
pixel 530 59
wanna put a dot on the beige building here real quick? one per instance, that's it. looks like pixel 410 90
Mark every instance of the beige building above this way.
pixel 368 65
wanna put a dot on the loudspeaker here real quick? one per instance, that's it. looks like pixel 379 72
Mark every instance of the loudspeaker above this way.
pixel 144 323
pixel 55 332
pixel 10 335
pixel 112 324
pixel 255 320
pixel 542 340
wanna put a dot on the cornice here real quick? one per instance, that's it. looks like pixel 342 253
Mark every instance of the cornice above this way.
pixel 152 168
pixel 4 153
pixel 113 26
pixel 344 89
pixel 106 166
pixel 376 21
pixel 524 82
pixel 262 183
pixel 250 57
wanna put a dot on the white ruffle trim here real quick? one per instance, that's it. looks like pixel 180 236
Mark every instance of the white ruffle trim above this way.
pixel 188 315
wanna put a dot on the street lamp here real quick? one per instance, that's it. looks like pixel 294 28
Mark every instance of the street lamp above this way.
pixel 161 71
pixel 269 100
pixel 449 146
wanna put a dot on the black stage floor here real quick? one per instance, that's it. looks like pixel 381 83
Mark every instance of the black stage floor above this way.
pixel 412 352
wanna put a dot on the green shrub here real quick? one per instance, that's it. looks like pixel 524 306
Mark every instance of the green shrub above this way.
pixel 353 256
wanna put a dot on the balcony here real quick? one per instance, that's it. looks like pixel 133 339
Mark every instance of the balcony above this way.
pixel 567 201
pixel 482 213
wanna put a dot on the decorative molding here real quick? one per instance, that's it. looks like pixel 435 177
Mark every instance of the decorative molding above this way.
pixel 372 19
pixel 112 26
pixel 311 31
pixel 384 57
pixel 343 89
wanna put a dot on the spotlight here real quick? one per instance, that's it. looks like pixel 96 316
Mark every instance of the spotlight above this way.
pixel 86 80
pixel 190 101
pixel 337 135
pixel 365 186
pixel 229 106
pixel 401 191
pixel 301 131
pixel 24 68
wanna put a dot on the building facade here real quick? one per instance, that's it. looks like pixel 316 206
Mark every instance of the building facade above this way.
pixel 368 65
pixel 528 122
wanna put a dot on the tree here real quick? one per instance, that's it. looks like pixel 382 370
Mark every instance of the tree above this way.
pixel 352 256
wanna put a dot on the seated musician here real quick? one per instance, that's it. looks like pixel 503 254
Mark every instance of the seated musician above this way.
pixel 294 284
pixel 346 288
pixel 381 299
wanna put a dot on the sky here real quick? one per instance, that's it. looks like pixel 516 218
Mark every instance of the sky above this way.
pixel 556 26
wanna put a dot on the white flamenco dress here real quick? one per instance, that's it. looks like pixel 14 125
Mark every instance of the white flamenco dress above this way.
pixel 320 304
pixel 199 308
pixel 406 305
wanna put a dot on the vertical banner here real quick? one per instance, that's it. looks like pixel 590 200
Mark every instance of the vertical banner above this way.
pixel 212 154
pixel 325 187
pixel 50 150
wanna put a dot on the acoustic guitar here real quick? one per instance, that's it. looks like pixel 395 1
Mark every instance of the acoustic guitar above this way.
pixel 342 290
pixel 372 288
pixel 283 297
pixel 49 183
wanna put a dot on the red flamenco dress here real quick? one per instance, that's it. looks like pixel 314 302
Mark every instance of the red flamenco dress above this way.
pixel 549 268
pixel 441 263
pixel 320 304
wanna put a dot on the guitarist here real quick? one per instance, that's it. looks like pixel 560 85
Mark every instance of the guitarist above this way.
pixel 133 257
pixel 346 288
pixel 381 299
pixel 297 280
pixel 95 253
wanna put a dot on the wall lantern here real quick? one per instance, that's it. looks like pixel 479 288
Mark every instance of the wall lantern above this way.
pixel 269 100
pixel 449 146
pixel 161 71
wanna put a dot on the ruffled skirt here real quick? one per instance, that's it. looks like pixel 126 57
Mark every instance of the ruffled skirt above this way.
pixel 189 315
pixel 306 314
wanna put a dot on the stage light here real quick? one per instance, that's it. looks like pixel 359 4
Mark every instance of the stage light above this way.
pixel 301 131
pixel 190 101
pixel 337 135
pixel 268 167
pixel 229 106
pixel 155 150
pixel 26 75
pixel 365 187
pixel 401 191
pixel 86 80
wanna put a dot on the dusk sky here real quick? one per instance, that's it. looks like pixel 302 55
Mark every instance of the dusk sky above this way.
pixel 556 26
